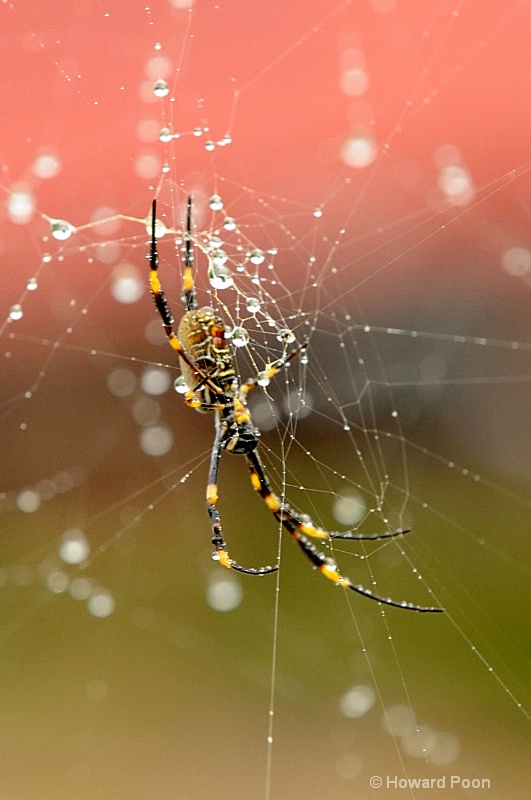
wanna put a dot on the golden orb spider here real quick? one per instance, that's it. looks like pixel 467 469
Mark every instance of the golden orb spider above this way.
pixel 208 369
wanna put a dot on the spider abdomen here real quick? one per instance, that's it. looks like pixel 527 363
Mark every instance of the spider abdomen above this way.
pixel 203 336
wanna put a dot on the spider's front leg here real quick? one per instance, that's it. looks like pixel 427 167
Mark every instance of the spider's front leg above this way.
pixel 221 553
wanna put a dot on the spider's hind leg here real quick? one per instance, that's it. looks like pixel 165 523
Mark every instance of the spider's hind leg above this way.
pixel 300 531
pixel 220 552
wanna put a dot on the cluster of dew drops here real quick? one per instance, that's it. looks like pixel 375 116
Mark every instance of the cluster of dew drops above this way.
pixel 219 276
pixel 60 230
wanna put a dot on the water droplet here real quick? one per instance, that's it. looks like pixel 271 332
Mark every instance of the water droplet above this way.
pixel 263 379
pixel 166 168
pixel 16 312
pixel 160 89
pixel 256 256
pixel 318 212
pixel 240 337
pixel 46 258
pixel 215 202
pixel 198 131
pixel 165 135
pixel 32 284
pixel 304 357
pixel 219 276
pixel 160 228
pixel 61 229
pixel 218 257
pixel 252 305
pixel 179 384
pixel 285 335
pixel 229 224
pixel 210 145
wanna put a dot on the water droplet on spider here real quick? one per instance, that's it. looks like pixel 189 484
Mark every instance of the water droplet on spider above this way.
pixel 179 384
pixel 32 284
pixel 256 256
pixel 285 335
pixel 61 229
pixel 252 304
pixel 215 202
pixel 219 276
pixel 210 145
pixel 16 312
pixel 160 88
pixel 240 337
pixel 263 379
pixel 165 135
pixel 218 257
pixel 229 223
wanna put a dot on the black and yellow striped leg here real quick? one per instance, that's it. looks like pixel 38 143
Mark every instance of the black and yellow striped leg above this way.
pixel 161 304
pixel 219 543
pixel 295 527
pixel 188 277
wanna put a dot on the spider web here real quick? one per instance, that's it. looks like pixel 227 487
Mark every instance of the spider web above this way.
pixel 360 180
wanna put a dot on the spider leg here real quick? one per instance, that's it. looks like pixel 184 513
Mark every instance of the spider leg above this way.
pixel 164 310
pixel 188 277
pixel 271 371
pixel 219 543
pixel 297 530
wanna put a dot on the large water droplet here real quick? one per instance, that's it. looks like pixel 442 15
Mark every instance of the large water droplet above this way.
pixel 61 229
pixel 160 228
pixel 16 312
pixel 252 305
pixel 219 276
pixel 215 202
pixel 285 335
pixel 179 384
pixel 218 257
pixel 256 256
pixel 263 379
pixel 240 337
pixel 160 89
